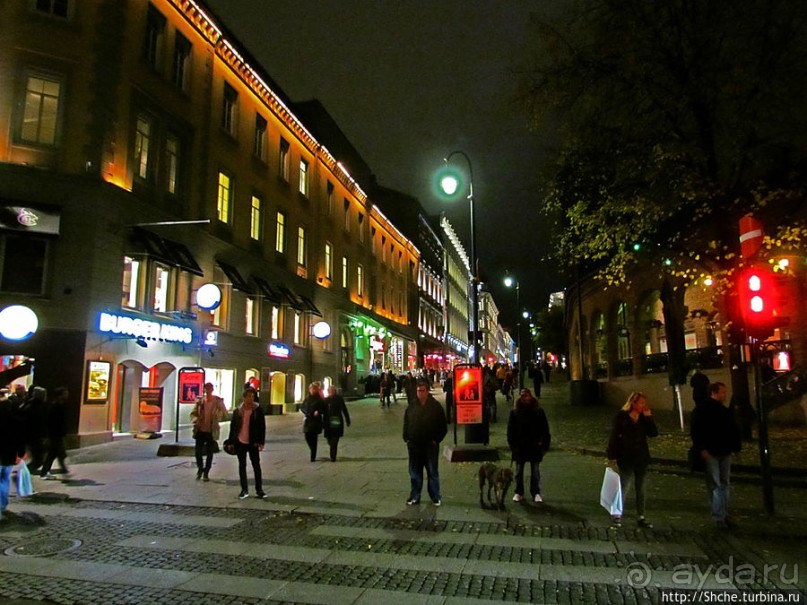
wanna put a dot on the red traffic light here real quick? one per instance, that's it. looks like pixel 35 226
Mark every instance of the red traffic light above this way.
pixel 759 297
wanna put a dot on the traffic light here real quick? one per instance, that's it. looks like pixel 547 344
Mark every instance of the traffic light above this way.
pixel 759 301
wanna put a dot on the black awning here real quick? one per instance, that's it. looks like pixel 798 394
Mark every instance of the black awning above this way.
pixel 6 376
pixel 268 293
pixel 309 305
pixel 164 250
pixel 291 298
pixel 235 278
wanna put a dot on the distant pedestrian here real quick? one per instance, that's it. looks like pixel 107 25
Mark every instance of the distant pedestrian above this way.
pixel 313 410
pixel 410 388
pixel 424 428
pixel 387 385
pixel 628 450
pixel 208 412
pixel 12 447
pixel 715 438
pixel 56 431
pixel 537 379
pixel 700 386
pixel 547 367
pixel 336 417
pixel 248 435
pixel 528 437
pixel 448 389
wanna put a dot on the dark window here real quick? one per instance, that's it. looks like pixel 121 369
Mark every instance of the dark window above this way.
pixel 56 8
pixel 260 137
pixel 23 264
pixel 228 115
pixel 182 57
pixel 155 31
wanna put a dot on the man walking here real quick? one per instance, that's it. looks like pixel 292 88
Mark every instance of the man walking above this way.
pixel 248 435
pixel 57 429
pixel 206 415
pixel 423 429
pixel 715 437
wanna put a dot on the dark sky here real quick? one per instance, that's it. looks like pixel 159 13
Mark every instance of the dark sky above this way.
pixel 408 82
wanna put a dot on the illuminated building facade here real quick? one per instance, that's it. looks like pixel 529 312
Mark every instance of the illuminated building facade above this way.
pixel 456 288
pixel 125 124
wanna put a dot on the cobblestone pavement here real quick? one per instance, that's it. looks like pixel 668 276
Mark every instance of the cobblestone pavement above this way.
pixel 129 527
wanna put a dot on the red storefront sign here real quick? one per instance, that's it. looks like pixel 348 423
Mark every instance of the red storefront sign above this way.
pixel 468 393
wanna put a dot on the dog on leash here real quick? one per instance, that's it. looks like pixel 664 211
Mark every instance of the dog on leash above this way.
pixel 498 480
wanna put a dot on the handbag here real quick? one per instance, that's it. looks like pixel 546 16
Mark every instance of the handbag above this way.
pixel 25 486
pixel 229 447
pixel 611 492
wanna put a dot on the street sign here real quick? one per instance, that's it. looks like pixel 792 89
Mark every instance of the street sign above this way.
pixel 468 393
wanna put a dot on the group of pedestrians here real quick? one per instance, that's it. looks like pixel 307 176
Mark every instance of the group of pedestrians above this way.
pixel 32 432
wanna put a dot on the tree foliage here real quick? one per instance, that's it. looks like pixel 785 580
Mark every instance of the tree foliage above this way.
pixel 676 118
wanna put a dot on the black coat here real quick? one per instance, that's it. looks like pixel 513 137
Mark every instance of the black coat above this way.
pixel 424 424
pixel 628 442
pixel 257 426
pixel 714 430
pixel 12 439
pixel 528 434
pixel 313 422
pixel 336 416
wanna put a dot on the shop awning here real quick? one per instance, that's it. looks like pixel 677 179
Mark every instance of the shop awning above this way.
pixel 309 305
pixel 18 216
pixel 291 298
pixel 265 290
pixel 6 376
pixel 238 282
pixel 163 250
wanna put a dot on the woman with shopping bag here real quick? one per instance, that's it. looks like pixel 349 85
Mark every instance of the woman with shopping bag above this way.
pixel 628 451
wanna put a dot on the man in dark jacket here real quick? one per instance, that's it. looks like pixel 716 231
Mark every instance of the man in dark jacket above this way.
pixel 248 434
pixel 57 429
pixel 12 447
pixel 424 428
pixel 715 437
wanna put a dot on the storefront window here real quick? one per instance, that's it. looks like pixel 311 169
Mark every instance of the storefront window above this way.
pixel 223 386
pixel 161 279
pixel 250 316
pixel 276 331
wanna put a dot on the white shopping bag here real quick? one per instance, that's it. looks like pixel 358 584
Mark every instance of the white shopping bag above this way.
pixel 24 485
pixel 611 492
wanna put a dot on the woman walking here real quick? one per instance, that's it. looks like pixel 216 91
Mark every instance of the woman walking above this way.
pixel 314 410
pixel 528 437
pixel 336 416
pixel 628 451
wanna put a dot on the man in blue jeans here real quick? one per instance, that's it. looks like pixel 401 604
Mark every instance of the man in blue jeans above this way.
pixel 423 429
pixel 715 437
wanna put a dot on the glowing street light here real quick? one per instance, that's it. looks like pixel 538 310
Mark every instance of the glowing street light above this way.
pixel 510 282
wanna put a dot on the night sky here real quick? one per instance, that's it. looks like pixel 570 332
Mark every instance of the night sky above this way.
pixel 408 82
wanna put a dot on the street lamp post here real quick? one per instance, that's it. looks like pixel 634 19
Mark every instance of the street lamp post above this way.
pixel 450 184
pixel 510 281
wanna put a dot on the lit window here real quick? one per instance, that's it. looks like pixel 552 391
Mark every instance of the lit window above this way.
pixel 344 272
pixel 131 275
pixel 250 316
pixel 255 219
pixel 142 146
pixel 225 197
pixel 301 246
pixel 171 163
pixel 298 320
pixel 360 280
pixel 182 58
pixel 229 110
pixel 41 111
pixel 283 169
pixel 260 137
pixel 328 261
pixel 276 324
pixel 304 178
pixel 280 234
pixel 155 32
pixel 161 278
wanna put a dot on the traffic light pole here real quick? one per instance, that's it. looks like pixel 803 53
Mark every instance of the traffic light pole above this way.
pixel 762 428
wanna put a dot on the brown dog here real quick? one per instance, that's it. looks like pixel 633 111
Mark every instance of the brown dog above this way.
pixel 498 480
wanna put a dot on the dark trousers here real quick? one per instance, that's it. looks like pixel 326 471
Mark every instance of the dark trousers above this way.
pixel 420 458
pixel 55 451
pixel 535 477
pixel 311 440
pixel 241 450
pixel 333 442
pixel 204 446
pixel 630 476
pixel 36 451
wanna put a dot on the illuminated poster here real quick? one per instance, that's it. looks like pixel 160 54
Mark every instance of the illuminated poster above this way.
pixel 98 381
pixel 191 381
pixel 151 401
pixel 468 393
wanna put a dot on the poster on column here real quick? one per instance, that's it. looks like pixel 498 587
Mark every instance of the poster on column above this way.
pixel 468 393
